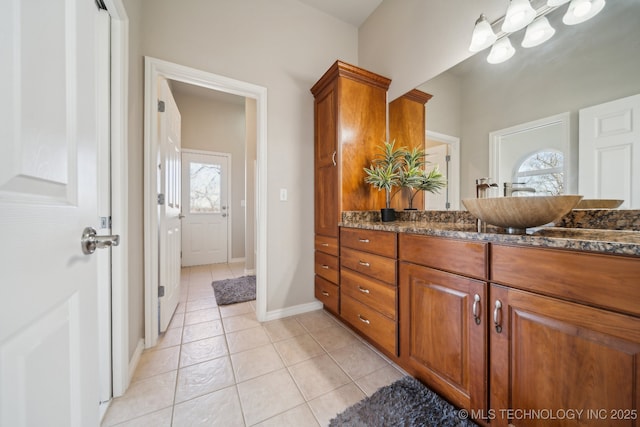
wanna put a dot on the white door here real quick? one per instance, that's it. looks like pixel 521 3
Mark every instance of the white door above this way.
pixel 169 176
pixel 205 208
pixel 437 157
pixel 48 186
pixel 609 151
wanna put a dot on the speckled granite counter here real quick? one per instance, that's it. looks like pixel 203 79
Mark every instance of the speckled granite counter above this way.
pixel 462 225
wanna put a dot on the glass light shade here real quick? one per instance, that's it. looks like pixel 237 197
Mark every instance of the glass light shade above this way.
pixel 501 51
pixel 582 10
pixel 554 3
pixel 538 32
pixel 483 35
pixel 519 15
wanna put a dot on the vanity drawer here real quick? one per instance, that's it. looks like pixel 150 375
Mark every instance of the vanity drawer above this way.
pixel 328 293
pixel 377 295
pixel 327 266
pixel 377 242
pixel 376 266
pixel 606 281
pixel 456 256
pixel 379 328
pixel 327 244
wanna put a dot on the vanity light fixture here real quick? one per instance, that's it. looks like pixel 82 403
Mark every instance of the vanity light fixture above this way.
pixel 555 3
pixel 582 10
pixel 483 35
pixel 519 15
pixel 538 32
pixel 501 51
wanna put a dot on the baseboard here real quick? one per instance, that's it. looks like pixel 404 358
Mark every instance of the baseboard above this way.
pixel 133 364
pixel 236 260
pixel 292 311
pixel 251 272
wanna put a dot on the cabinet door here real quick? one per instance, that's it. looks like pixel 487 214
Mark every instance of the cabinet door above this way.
pixel 441 342
pixel 550 357
pixel 327 209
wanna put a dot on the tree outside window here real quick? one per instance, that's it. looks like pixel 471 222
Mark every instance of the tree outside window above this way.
pixel 543 171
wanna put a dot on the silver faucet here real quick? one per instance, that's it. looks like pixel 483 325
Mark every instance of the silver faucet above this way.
pixel 509 188
pixel 482 185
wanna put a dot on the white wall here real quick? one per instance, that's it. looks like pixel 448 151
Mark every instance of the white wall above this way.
pixel 284 46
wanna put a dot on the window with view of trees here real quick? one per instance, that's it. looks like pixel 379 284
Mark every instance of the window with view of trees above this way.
pixel 543 171
pixel 204 193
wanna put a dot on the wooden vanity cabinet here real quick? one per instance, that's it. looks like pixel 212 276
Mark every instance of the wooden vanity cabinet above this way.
pixel 350 122
pixel 443 316
pixel 561 350
pixel 368 291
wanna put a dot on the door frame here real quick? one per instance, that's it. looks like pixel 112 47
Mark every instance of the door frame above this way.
pixel 155 68
pixel 228 157
pixel 453 179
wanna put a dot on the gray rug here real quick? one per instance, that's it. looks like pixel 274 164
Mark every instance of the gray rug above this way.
pixel 407 403
pixel 232 291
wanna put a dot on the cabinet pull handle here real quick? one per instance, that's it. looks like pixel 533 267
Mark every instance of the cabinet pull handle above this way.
pixel 326 267
pixel 363 290
pixel 325 293
pixel 497 316
pixel 364 264
pixel 363 240
pixel 324 244
pixel 363 320
pixel 333 158
pixel 476 308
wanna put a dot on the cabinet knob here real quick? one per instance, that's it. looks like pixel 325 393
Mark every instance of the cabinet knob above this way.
pixel 325 293
pixel 364 264
pixel 363 290
pixel 326 267
pixel 363 320
pixel 363 240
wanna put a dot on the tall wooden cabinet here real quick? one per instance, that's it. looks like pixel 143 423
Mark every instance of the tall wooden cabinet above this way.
pixel 350 123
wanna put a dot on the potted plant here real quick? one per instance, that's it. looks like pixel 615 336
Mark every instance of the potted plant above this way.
pixel 412 172
pixel 385 174
pixel 432 182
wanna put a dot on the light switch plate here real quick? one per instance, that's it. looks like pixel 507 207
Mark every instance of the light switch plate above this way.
pixel 283 194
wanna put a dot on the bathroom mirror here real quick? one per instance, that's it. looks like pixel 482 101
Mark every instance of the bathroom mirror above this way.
pixel 582 65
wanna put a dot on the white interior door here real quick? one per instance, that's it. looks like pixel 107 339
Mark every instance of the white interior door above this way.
pixel 169 176
pixel 609 151
pixel 437 157
pixel 205 208
pixel 48 186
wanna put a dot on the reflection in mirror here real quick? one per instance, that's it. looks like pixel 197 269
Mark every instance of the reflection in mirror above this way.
pixel 581 66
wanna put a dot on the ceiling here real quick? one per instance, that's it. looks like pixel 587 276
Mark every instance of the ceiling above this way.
pixel 354 12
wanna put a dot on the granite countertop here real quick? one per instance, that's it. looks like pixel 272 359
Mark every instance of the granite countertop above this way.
pixel 459 225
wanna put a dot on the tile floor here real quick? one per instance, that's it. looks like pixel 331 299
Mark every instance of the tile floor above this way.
pixel 219 366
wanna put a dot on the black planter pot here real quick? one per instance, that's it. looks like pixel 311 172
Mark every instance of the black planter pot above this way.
pixel 388 214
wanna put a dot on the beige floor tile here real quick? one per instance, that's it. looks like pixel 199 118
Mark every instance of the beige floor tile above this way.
pixel 201 304
pixel 181 308
pixel 331 404
pixel 300 416
pixel 297 349
pixel 203 350
pixel 334 337
pixel 255 362
pixel 269 395
pixel 358 360
pixel 235 309
pixel 143 397
pixel 154 362
pixel 318 376
pixel 202 378
pixel 237 323
pixel 199 316
pixel 378 379
pixel 283 328
pixel 161 418
pixel 316 320
pixel 177 321
pixel 220 408
pixel 170 338
pixel 247 339
pixel 197 293
pixel 202 330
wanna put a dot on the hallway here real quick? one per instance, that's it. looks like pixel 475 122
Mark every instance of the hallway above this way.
pixel 219 366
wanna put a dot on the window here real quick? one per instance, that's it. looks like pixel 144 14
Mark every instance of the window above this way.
pixel 543 171
pixel 204 192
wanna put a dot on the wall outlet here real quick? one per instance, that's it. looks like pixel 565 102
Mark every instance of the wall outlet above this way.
pixel 283 194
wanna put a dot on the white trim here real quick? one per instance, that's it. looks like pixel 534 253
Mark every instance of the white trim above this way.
pixel 154 69
pixel 119 195
pixel 454 165
pixel 135 359
pixel 495 139
pixel 240 259
pixel 292 311
pixel 250 272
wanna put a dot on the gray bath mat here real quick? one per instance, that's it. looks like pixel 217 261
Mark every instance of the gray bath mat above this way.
pixel 232 291
pixel 405 403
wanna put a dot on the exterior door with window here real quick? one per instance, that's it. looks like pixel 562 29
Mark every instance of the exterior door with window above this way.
pixel 205 208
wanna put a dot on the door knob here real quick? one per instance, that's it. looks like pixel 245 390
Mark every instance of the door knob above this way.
pixel 224 215
pixel 90 241
pixel 180 216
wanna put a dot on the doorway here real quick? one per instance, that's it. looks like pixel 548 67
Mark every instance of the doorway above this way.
pixel 444 151
pixel 155 69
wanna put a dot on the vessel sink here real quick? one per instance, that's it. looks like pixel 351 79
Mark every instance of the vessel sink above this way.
pixel 599 203
pixel 516 214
